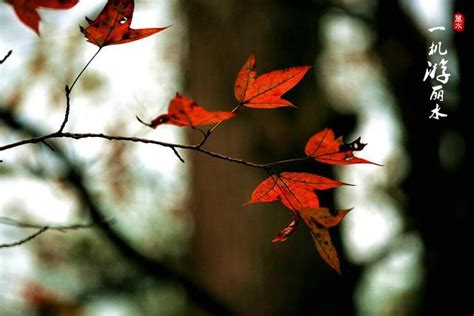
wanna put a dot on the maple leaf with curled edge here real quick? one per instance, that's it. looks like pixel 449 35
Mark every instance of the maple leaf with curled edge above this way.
pixel 265 91
pixel 325 147
pixel 183 111
pixel 27 10
pixel 112 25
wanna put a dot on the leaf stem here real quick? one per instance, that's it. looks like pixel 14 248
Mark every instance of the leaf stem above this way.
pixel 210 130
pixel 287 161
pixel 84 69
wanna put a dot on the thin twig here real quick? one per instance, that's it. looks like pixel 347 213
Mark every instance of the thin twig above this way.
pixel 230 159
pixel 24 240
pixel 68 108
pixel 16 223
pixel 211 130
pixel 41 229
pixel 68 90
pixel 177 154
pixel 6 57
pixel 234 110
pixel 48 145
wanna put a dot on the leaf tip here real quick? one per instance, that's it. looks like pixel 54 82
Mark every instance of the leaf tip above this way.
pixel 306 68
pixel 278 239
pixel 348 184
pixel 250 202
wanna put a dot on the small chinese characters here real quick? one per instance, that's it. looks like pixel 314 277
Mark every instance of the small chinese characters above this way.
pixel 438 74
pixel 458 22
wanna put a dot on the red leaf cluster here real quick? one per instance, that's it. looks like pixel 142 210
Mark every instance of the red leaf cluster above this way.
pixel 296 190
pixel 251 91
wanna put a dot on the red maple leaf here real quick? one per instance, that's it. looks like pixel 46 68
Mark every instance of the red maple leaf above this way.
pixel 324 147
pixel 319 220
pixel 266 91
pixel 112 25
pixel 27 10
pixel 294 189
pixel 183 111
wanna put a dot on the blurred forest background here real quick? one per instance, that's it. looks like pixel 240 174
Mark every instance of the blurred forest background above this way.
pixel 180 242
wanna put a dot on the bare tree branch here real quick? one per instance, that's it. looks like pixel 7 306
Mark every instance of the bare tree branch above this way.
pixel 132 139
pixel 24 240
pixel 155 268
pixel 41 229
pixel 62 228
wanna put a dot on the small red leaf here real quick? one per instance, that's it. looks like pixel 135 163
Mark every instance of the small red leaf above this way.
pixel 288 230
pixel 266 91
pixel 324 147
pixel 184 111
pixel 318 221
pixel 294 189
pixel 112 25
pixel 27 10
